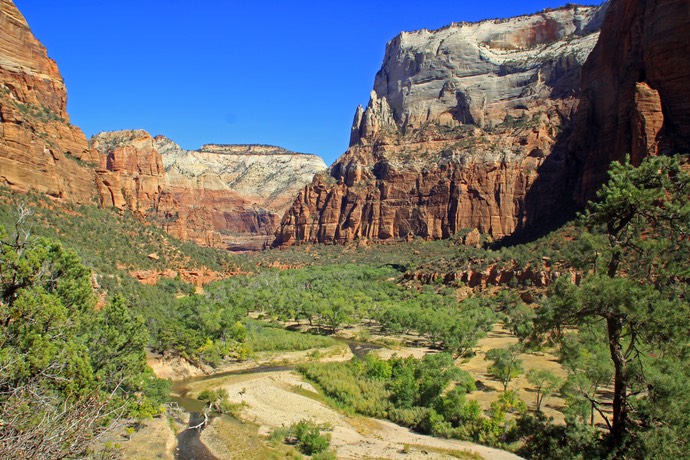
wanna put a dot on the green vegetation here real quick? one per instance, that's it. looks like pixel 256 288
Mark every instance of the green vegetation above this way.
pixel 335 296
pixel 217 401
pixel 510 122
pixel 545 383
pixel 628 320
pixel 308 437
pixel 39 113
pixel 505 364
pixel 427 395
pixel 264 336
pixel 67 370
pixel 618 322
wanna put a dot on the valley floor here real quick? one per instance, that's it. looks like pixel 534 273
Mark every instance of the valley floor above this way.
pixel 277 399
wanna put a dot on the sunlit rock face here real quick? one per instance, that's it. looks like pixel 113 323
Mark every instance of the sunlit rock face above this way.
pixel 221 195
pixel 39 149
pixel 464 130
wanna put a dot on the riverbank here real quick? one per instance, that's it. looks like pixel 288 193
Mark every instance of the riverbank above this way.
pixel 270 396
pixel 273 400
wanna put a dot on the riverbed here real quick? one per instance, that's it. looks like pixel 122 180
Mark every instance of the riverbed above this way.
pixel 274 396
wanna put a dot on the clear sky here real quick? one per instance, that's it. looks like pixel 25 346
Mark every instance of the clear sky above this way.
pixel 224 71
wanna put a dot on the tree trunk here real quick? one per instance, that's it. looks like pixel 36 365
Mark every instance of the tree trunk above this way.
pixel 620 389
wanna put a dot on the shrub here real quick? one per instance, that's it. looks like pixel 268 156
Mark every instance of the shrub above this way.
pixel 308 437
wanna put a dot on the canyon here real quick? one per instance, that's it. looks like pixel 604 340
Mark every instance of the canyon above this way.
pixel 224 196
pixel 503 126
pixel 474 132
pixel 220 196
pixel 463 123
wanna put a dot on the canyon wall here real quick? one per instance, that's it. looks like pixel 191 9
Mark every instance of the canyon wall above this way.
pixel 635 90
pixel 465 128
pixel 497 126
pixel 229 196
pixel 221 196
pixel 39 149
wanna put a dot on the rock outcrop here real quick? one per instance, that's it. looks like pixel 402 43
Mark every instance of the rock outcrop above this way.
pixel 495 275
pixel 221 195
pixel 39 149
pixel 635 89
pixel 131 174
pixel 464 130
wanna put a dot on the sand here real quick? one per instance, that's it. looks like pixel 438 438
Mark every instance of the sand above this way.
pixel 279 399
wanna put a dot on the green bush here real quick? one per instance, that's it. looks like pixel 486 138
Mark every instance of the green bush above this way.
pixel 308 437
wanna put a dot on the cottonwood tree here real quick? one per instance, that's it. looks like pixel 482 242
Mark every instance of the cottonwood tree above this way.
pixel 544 382
pixel 506 365
pixel 637 285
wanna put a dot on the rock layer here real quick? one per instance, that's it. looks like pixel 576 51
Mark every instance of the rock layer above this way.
pixel 464 129
pixel 39 149
pixel 635 89
pixel 220 196
pixel 131 174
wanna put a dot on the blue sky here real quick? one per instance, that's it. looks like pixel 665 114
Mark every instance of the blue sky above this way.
pixel 223 71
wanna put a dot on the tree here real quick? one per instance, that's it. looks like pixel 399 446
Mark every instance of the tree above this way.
pixel 506 365
pixel 335 312
pixel 544 382
pixel 637 285
pixel 58 393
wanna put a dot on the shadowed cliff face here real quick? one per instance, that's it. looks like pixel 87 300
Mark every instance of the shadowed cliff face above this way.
pixel 635 90
pixel 462 124
pixel 220 196
pixel 39 149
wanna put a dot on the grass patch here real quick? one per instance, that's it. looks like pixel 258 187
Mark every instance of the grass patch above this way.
pixel 229 438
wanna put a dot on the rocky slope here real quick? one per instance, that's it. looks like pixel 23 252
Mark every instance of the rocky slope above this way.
pixel 635 89
pixel 221 195
pixel 39 149
pixel 464 129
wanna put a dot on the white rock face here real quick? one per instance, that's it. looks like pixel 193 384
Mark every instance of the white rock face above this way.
pixel 221 196
pixel 271 173
pixel 480 72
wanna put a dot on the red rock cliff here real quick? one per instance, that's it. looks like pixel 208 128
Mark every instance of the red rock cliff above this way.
pixel 39 149
pixel 226 196
pixel 635 89
pixel 131 171
pixel 464 129
pixel 220 196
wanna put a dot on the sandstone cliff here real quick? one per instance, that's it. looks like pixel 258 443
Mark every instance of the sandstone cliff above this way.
pixel 221 195
pixel 464 129
pixel 635 89
pixel 39 149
